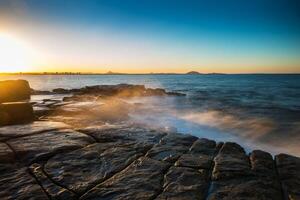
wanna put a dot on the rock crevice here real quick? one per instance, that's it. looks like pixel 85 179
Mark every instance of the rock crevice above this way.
pixel 130 162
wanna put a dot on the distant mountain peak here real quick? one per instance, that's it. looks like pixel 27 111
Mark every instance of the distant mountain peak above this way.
pixel 113 73
pixel 193 72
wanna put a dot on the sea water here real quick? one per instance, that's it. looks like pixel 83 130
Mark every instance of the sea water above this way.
pixel 256 110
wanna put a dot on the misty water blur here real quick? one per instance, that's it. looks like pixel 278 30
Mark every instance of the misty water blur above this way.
pixel 257 111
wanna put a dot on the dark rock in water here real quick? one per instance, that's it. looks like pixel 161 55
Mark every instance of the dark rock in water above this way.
pixel 14 90
pixel 40 92
pixel 61 91
pixel 40 111
pixel 15 113
pixel 176 94
pixel 289 175
pixel 120 90
pixel 81 98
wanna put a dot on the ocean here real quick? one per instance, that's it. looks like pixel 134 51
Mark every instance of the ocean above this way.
pixel 257 111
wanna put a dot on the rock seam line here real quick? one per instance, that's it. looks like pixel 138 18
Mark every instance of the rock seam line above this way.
pixel 167 170
pixel 109 177
pixel 211 169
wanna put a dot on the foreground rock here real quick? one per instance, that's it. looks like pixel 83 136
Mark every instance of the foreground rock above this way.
pixel 141 180
pixel 43 145
pixel 171 147
pixel 82 169
pixel 15 113
pixel 236 177
pixel 50 160
pixel 189 177
pixel 289 174
pixel 14 91
pixel 6 154
pixel 53 190
pixel 124 134
pixel 11 132
pixel 185 183
pixel 17 184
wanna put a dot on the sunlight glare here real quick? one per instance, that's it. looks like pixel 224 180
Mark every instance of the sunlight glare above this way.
pixel 15 55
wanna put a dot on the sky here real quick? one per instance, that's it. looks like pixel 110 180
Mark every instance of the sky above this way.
pixel 143 36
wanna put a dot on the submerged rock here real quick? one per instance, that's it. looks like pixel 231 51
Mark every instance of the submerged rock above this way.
pixel 14 91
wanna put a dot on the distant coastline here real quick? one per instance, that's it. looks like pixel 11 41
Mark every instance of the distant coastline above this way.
pixel 116 73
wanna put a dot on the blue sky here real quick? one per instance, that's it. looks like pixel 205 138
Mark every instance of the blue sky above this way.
pixel 143 36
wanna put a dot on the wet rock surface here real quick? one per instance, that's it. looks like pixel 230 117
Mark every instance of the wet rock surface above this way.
pixel 17 184
pixel 6 154
pixel 124 134
pixel 171 147
pixel 39 146
pixel 235 176
pixel 85 147
pixel 52 160
pixel 10 132
pixel 92 164
pixel 141 180
pixel 185 183
pixel 289 175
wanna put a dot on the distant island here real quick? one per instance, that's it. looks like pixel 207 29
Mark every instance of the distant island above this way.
pixel 194 73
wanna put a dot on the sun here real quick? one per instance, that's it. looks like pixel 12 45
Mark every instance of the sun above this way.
pixel 14 55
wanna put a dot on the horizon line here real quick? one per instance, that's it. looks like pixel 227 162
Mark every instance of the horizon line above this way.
pixel 150 73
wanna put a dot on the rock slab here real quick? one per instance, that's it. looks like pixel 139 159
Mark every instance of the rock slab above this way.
pixel 49 160
pixel 17 184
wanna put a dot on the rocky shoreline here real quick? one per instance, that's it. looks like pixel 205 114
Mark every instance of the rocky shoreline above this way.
pixel 67 154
